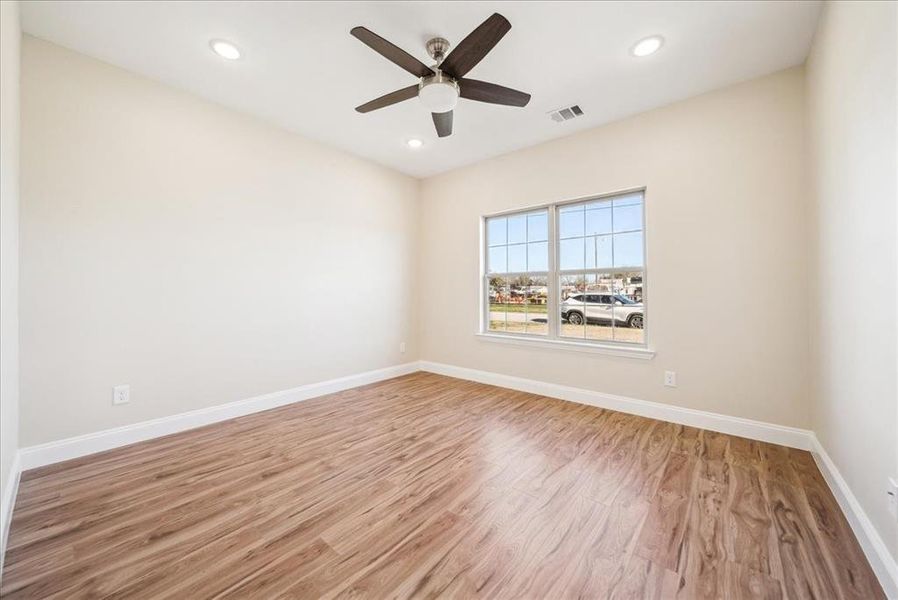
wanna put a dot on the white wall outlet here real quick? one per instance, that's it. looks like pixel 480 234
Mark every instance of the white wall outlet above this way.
pixel 121 394
pixel 892 491
pixel 670 378
pixel 402 347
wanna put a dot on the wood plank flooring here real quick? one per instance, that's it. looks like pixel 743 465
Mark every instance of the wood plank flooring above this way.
pixel 426 486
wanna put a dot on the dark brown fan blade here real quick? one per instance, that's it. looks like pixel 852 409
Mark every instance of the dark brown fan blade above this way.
pixel 473 48
pixel 388 99
pixel 482 91
pixel 392 52
pixel 443 123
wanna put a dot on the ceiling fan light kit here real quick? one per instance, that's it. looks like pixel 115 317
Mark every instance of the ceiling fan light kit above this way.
pixel 439 93
pixel 440 86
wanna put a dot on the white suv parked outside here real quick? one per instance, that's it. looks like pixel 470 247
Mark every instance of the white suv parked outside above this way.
pixel 598 307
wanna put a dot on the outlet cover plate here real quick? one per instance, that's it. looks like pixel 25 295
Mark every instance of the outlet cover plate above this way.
pixel 670 378
pixel 121 394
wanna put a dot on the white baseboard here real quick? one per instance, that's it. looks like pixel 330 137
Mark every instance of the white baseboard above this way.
pixel 874 548
pixel 82 445
pixel 747 428
pixel 7 502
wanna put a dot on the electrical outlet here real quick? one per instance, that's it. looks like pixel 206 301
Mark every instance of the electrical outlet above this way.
pixel 892 491
pixel 402 347
pixel 670 378
pixel 121 394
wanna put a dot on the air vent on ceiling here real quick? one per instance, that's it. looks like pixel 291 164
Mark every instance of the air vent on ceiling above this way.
pixel 566 114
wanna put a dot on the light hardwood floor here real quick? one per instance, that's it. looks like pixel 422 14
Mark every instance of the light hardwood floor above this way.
pixel 426 486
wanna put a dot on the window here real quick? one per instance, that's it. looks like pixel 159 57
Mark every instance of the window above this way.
pixel 517 273
pixel 570 271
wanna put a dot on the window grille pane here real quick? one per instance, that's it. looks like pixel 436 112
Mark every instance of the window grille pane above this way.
pixel 497 261
pixel 628 217
pixel 517 229
pixel 537 306
pixel 538 227
pixel 573 317
pixel 496 231
pixel 629 311
pixel 570 223
pixel 498 298
pixel 538 256
pixel 571 255
pixel 598 220
pixel 598 252
pixel 517 258
pixel 628 249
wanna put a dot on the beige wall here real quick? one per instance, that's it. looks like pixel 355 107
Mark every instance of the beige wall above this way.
pixel 851 92
pixel 10 36
pixel 727 251
pixel 199 255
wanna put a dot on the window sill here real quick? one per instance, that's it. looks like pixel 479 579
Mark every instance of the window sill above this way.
pixel 606 349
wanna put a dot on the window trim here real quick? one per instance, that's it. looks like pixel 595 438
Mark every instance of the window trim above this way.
pixel 553 339
pixel 567 344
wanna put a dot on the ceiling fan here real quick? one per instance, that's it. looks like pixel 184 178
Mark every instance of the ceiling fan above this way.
pixel 440 85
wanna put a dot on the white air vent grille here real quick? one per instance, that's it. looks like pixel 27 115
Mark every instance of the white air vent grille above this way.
pixel 566 114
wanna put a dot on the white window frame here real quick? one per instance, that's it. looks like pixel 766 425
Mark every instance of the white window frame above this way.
pixel 553 339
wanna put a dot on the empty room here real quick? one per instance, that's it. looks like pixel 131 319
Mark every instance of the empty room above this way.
pixel 532 300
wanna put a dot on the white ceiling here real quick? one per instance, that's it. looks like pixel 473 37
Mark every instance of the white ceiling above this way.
pixel 303 71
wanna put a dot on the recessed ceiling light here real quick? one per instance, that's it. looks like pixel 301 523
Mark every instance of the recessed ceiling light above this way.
pixel 225 49
pixel 414 143
pixel 647 46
